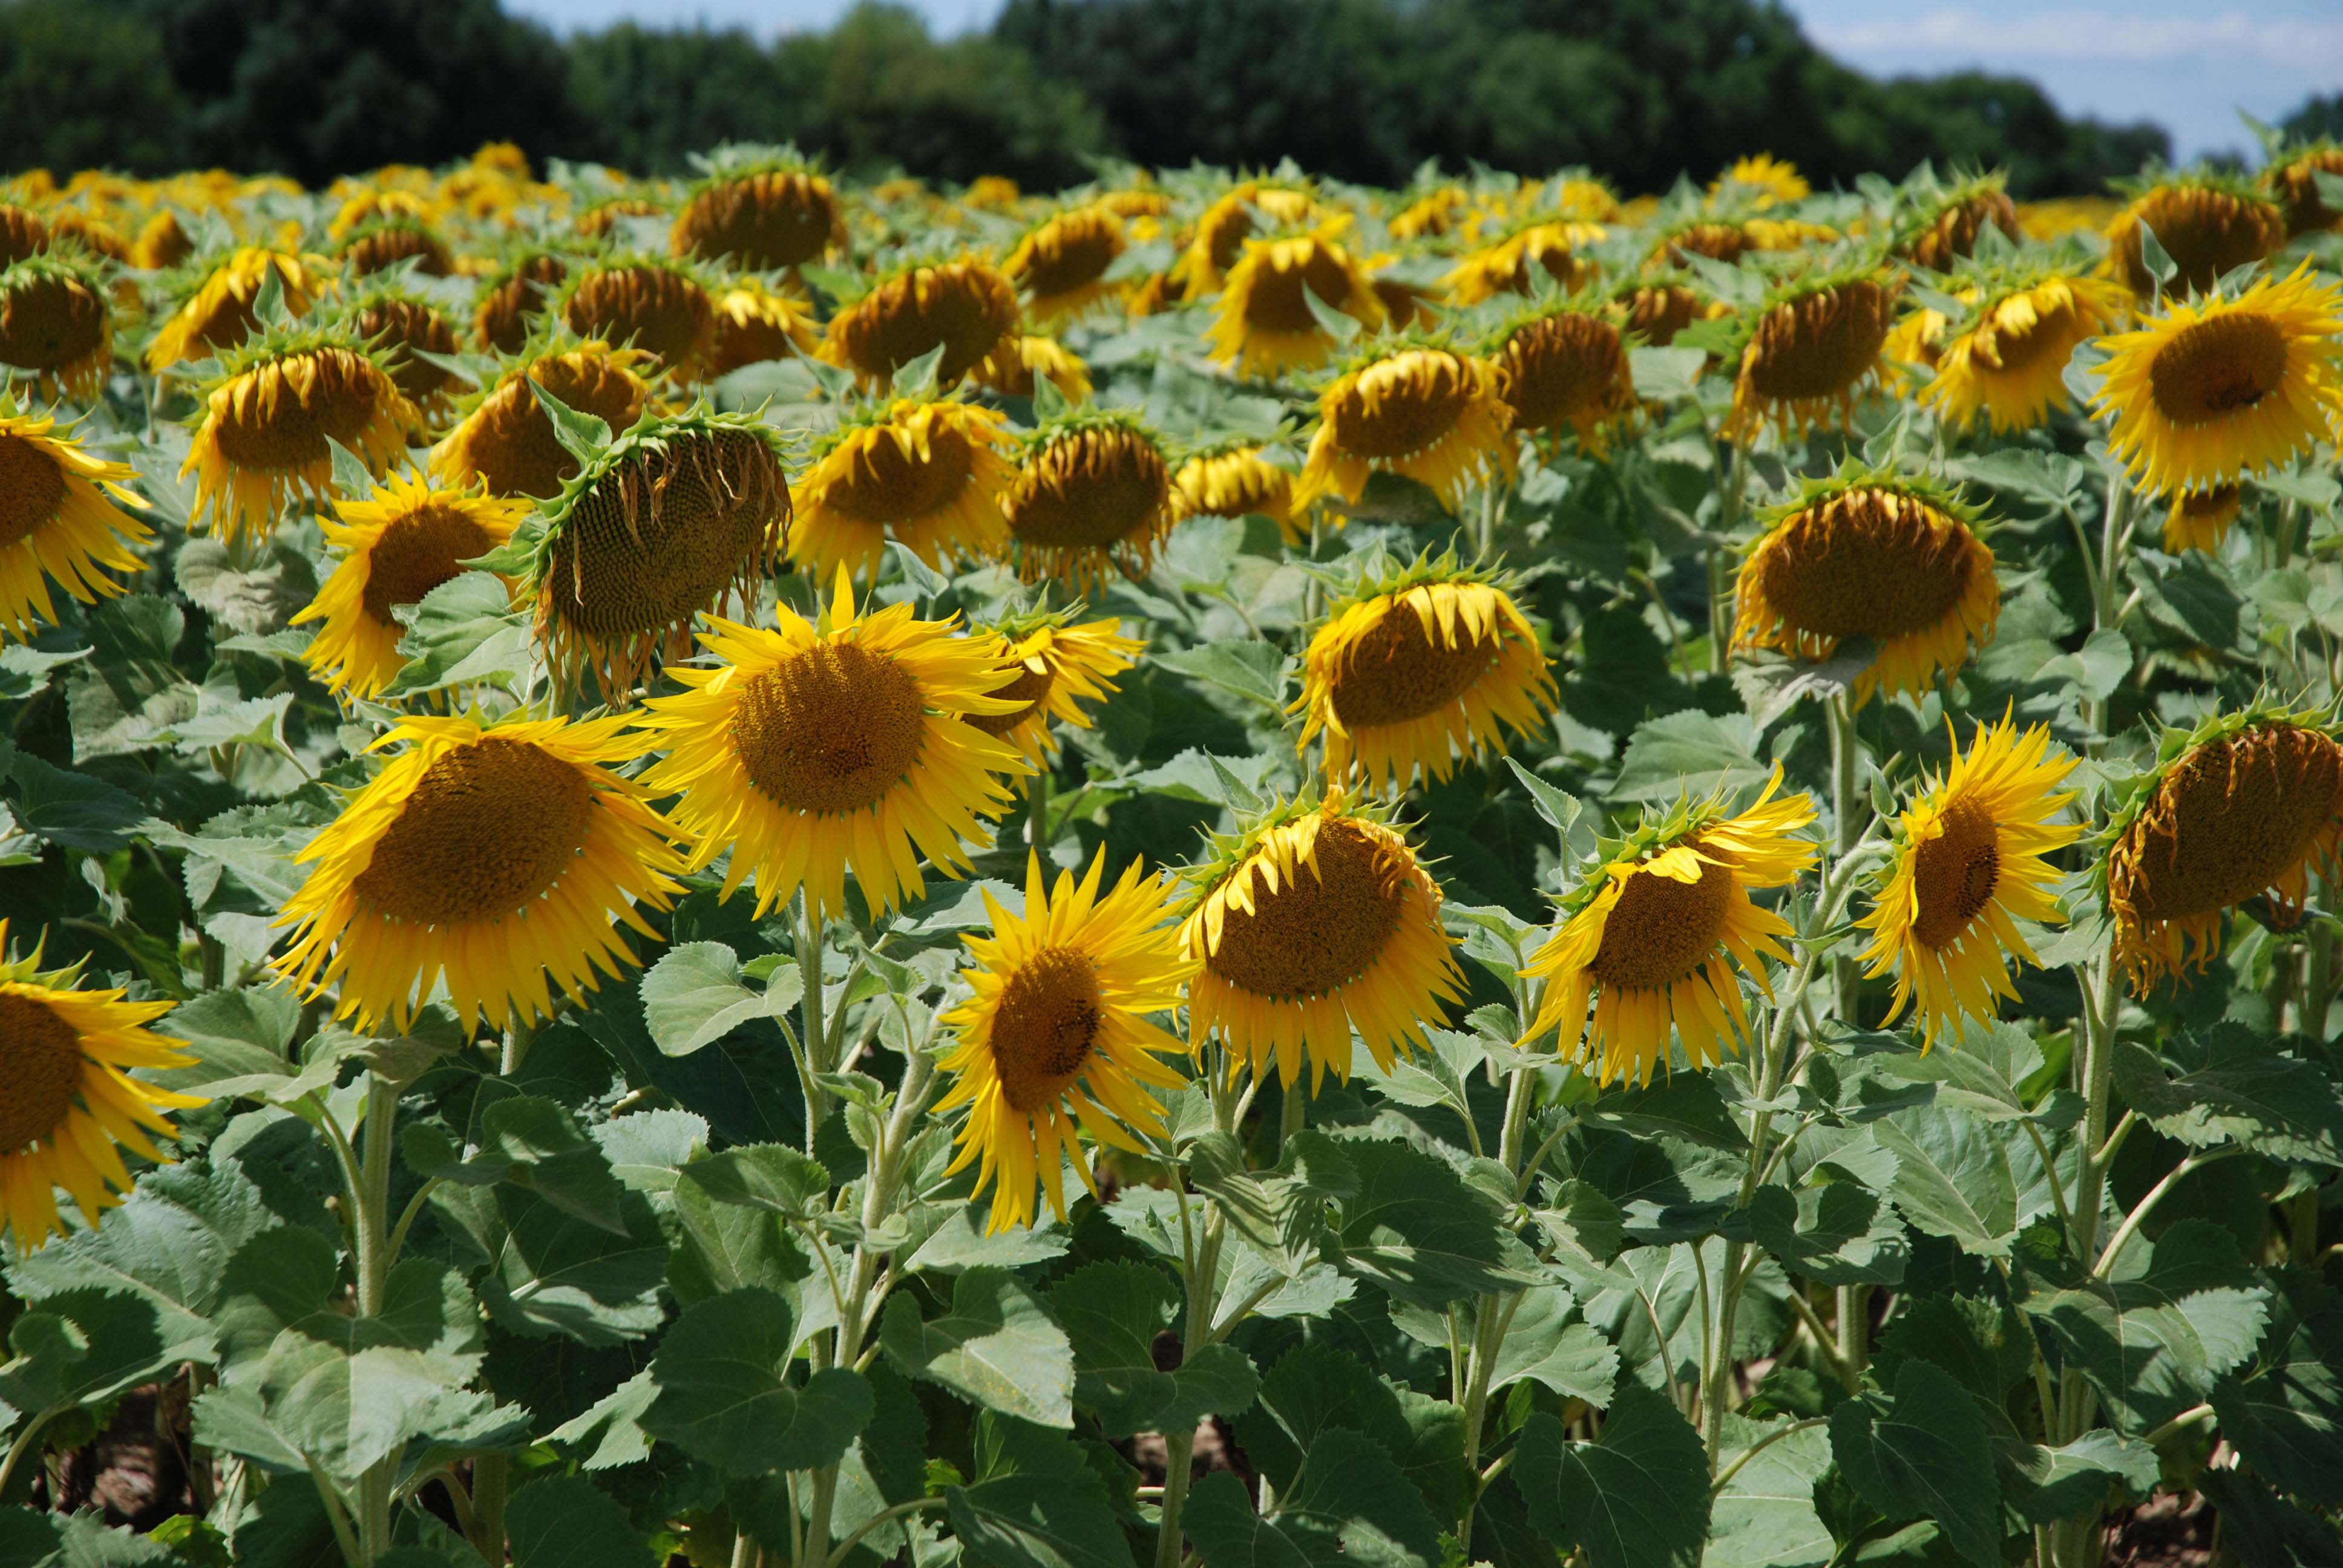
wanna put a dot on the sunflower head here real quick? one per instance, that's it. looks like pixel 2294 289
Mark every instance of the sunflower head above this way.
pixel 1425 411
pixel 1658 307
pixel 599 220
pixel 1566 367
pixel 377 247
pixel 1239 478
pixel 928 472
pixel 55 325
pixel 506 441
pixel 754 323
pixel 1544 249
pixel 2208 223
pixel 514 297
pixel 1724 242
pixel 648 303
pixel 1222 228
pixel 666 520
pixel 1811 350
pixel 1263 323
pixel 1873 554
pixel 1759 182
pixel 1092 495
pixel 1949 228
pixel 368 206
pixel 1437 212
pixel 1060 264
pixel 966 307
pixel 163 243
pixel 23 233
pixel 2293 183
pixel 397 324
pixel 761 212
pixel 2004 363
pixel 61 520
pixel 1021 361
pixel 1054 667
pixel 2201 519
pixel 221 304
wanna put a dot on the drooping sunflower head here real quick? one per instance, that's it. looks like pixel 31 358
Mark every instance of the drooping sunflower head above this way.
pixel 2293 182
pixel 2004 362
pixel 1060 264
pixel 1418 667
pixel 1222 228
pixel 1696 235
pixel 599 220
pixel 515 296
pixel 371 205
pixel 1811 351
pixel 61 521
pixel 1654 937
pixel 2214 387
pixel 762 211
pixel 2247 804
pixel 55 326
pixel 1437 212
pixel 1237 479
pixel 1658 307
pixel 1543 249
pixel 393 548
pixel 965 306
pixel 647 303
pixel 1875 555
pixel 1054 667
pixel 377 246
pixel 1947 228
pixel 1014 365
pixel 1092 496
pixel 397 324
pixel 2208 223
pixel 2201 519
pixel 220 307
pixel 1313 921
pixel 504 439
pixel 68 1103
pixel 1058 1037
pixel 1428 413
pixel 837 745
pixel 1759 182
pixel 1263 325
pixel 927 472
pixel 1566 367
pixel 163 243
pixel 263 438
pixel 671 518
pixel 1969 863
pixel 23 233
pixel 754 323
pixel 495 857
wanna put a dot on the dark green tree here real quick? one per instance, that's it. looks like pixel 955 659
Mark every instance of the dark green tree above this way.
pixel 79 91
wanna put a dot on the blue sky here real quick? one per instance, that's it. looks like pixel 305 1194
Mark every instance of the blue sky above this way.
pixel 2189 64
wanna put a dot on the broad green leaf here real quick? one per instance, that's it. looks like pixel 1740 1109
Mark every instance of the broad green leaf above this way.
pixel 463 632
pixel 768 1176
pixel 2283 1107
pixel 562 1522
pixel 1037 1522
pixel 85 1346
pixel 1251 669
pixel 1635 1497
pixel 995 1345
pixel 1686 1107
pixel 1952 1178
pixel 1111 1314
pixel 1315 1388
pixel 693 996
pixel 2284 1413
pixel 1765 1516
pixel 1924 1457
pixel 1349 1503
pixel 1547 1344
pixel 534 1144
pixel 958 1242
pixel 726 1395
pixel 1281 1211
pixel 72 809
pixel 1688 754
pixel 1416 1228
pixel 610 1433
pixel 2083 1477
pixel 1836 1234
pixel 552 1273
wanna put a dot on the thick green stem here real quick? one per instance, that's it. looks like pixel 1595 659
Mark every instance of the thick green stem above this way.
pixel 370 1223
pixel 815 1039
pixel 1853 1329
pixel 1178 1452
pixel 1846 824
pixel 2318 970
pixel 2106 607
pixel 1037 805
pixel 491 1486
pixel 517 1037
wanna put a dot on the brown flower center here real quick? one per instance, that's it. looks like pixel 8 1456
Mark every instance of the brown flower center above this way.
pixel 1030 688
pixel 513 445
pixel 1045 1026
pixel 775 219
pixel 506 309
pixel 1868 564
pixel 389 246
pixel 1955 873
pixel 40 1073
pixel 2231 819
pixel 1820 345
pixel 340 398
pixel 1659 314
pixel 1563 367
pixel 32 488
pixel 1316 934
pixel 49 322
pixel 399 326
pixel 1073 253
pixel 830 730
pixel 1661 929
pixel 1400 407
pixel 2216 367
pixel 1088 491
pixel 887 484
pixel 1398 671
pixel 966 307
pixel 1275 303
pixel 490 828
pixel 661 312
pixel 417 553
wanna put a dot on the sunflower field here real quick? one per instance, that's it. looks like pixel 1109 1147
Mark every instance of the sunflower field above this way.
pixel 1215 871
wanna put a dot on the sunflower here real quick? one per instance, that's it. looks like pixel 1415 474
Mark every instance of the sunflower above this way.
pixel 677 516
pixel 754 323
pixel 1871 555
pixel 1410 301
pixel 1762 180
pixel 761 219
pixel 601 219
pixel 1263 325
pixel 1429 414
pixel 1062 264
pixel 1969 862
pixel 1724 242
pixel 824 747
pixel 1514 264
pixel 363 207
pixel 65 1057
pixel 1950 228
pixel 2005 364
pixel 266 416
pixel 929 473
pixel 965 306
pixel 54 324
pixel 1312 922
pixel 1056 668
pixel 1158 293
pixel 1433 214
pixel 1660 308
pixel 22 234
pixel 2208 225
pixel 1057 1035
pixel 56 524
pixel 2216 387
pixel 1566 367
pixel 2201 519
pixel 397 324
pixel 162 242
pixel 1222 228
pixel 1918 339
pixel 1012 368
pixel 1417 669
pixel 506 441
pixel 1811 351
pixel 2293 183
pixel 393 549
pixel 379 245
pixel 2248 804
pixel 221 312
pixel 1238 479
pixel 657 306
pixel 1091 496
pixel 488 859
pixel 1653 938
pixel 513 297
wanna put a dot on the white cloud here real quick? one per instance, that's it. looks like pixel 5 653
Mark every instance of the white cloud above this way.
pixel 2303 46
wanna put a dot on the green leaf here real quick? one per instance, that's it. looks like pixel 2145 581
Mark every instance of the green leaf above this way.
pixel 1547 1344
pixel 1418 1230
pixel 1283 1211
pixel 1686 1107
pixel 1838 1233
pixel 725 1394
pixel 551 1272
pixel 610 1433
pixel 582 436
pixel 1038 1521
pixel 959 1242
pixel 1255 670
pixel 534 1144
pixel 85 1346
pixel 1349 1503
pixel 2055 1484
pixel 996 1345
pixel 2246 1091
pixel 72 809
pixel 1690 753
pixel 768 1176
pixel 1925 1456
pixel 722 1247
pixel 465 632
pixel 1662 374
pixel 1764 1516
pixel 1635 1497
pixel 1952 1178
pixel 240 1040
pixel 561 1522
pixel 2285 1413
pixel 693 996
pixel 1111 1314
pixel 1315 1388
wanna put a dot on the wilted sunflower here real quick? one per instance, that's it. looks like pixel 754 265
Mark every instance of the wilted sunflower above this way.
pixel 1263 323
pixel 2206 222
pixel 1312 922
pixel 1949 228
pixel 754 323
pixel 781 215
pixel 66 1060
pixel 506 441
pixel 2006 363
pixel 491 858
pixel 1659 309
pixel 1092 496
pixel 266 416
pixel 393 549
pixel 927 473
pixel 966 306
pixel 22 234
pixel 824 747
pixel 1056 1035
pixel 363 207
pixel 54 324
pixel 378 246
pixel 1062 264
pixel 2214 387
pixel 1238 479
pixel 1654 937
pixel 1417 667
pixel 1410 295
pixel 1431 415
pixel 1812 350
pixel 1222 228
pixel 2293 183
pixel 602 218
pixel 2247 804
pixel 221 311
pixel 1012 368
pixel 396 325
pixel 514 297
pixel 1724 242
pixel 1055 669
pixel 1514 265
pixel 2201 519
pixel 1761 180
pixel 1969 864
pixel 1871 555
pixel 56 523
pixel 657 306
pixel 679 515
pixel 1566 367
pixel 163 243
pixel 1435 213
